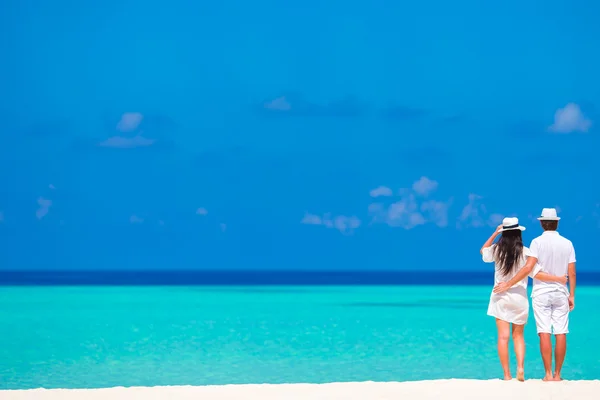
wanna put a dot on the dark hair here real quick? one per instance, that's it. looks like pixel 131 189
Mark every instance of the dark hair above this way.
pixel 549 225
pixel 509 251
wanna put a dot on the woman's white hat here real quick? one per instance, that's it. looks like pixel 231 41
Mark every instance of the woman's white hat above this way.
pixel 510 224
pixel 549 214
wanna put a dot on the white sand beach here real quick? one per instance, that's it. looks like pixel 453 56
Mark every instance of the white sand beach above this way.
pixel 455 389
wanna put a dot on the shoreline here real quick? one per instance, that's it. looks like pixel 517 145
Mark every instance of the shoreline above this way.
pixel 454 389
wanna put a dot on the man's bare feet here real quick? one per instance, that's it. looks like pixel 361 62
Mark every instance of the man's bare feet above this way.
pixel 521 375
pixel 548 378
pixel 507 377
pixel 557 378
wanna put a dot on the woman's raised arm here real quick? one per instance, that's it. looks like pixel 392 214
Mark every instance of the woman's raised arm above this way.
pixel 491 239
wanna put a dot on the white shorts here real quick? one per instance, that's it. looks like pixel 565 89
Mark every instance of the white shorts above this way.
pixel 551 311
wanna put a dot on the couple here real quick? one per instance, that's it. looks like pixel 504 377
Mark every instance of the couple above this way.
pixel 550 262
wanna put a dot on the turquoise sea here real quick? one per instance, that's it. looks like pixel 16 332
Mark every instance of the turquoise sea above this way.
pixel 95 336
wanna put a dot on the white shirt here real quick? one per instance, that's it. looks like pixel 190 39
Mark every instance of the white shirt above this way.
pixel 554 254
pixel 488 257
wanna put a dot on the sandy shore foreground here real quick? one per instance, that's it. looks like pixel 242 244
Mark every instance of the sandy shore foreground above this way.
pixel 459 389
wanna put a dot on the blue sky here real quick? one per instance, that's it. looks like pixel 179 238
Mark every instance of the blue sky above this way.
pixel 292 135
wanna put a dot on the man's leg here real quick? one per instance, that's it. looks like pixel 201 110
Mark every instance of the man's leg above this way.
pixel 546 351
pixel 559 355
pixel 543 312
pixel 560 322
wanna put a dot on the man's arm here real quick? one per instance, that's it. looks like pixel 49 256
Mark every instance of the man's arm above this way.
pixel 542 276
pixel 522 274
pixel 572 284
pixel 572 278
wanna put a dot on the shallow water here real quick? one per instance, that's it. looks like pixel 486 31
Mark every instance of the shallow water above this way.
pixel 124 336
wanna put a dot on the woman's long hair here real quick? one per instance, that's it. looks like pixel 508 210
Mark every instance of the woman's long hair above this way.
pixel 508 252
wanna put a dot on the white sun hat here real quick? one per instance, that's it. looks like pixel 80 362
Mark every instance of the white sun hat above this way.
pixel 549 214
pixel 510 224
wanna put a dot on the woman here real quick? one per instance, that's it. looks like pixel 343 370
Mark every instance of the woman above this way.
pixel 512 306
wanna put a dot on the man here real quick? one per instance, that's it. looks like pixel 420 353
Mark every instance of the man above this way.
pixel 552 301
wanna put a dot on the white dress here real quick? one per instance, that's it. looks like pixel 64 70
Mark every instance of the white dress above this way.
pixel 513 305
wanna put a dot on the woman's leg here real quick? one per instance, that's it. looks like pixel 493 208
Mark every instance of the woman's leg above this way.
pixel 519 342
pixel 503 337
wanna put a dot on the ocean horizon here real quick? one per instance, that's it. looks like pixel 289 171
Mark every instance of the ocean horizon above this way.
pixel 258 277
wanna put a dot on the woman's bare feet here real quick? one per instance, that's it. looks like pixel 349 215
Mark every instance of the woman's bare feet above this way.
pixel 548 378
pixel 507 377
pixel 557 378
pixel 521 375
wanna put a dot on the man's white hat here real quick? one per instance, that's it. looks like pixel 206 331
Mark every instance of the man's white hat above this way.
pixel 549 214
pixel 509 224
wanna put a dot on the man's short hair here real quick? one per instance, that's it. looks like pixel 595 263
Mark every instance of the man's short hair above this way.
pixel 549 225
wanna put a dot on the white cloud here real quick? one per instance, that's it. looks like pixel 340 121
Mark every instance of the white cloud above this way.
pixel 570 119
pixel 279 104
pixel 407 212
pixel 342 223
pixel 44 207
pixel 346 224
pixel 436 212
pixel 134 219
pixel 201 211
pixel 311 219
pixel 127 142
pixel 475 214
pixel 495 219
pixel 381 191
pixel 424 186
pixel 404 213
pixel 129 121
